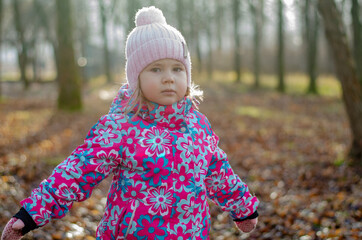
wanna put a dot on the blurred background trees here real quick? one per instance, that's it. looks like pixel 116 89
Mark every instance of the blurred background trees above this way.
pixel 346 71
pixel 264 39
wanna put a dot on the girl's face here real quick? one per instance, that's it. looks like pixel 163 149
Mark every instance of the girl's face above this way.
pixel 164 81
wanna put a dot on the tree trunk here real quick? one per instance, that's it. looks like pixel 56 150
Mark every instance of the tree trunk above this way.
pixel 180 16
pixel 46 25
pixel 257 9
pixel 208 27
pixel 195 29
pixel 219 23
pixel 1 35
pixel 21 44
pixel 237 56
pixel 132 7
pixel 357 37
pixel 346 72
pixel 107 69
pixel 280 62
pixel 69 84
pixel 312 29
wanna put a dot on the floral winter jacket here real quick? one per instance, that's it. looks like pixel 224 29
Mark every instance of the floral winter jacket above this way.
pixel 165 164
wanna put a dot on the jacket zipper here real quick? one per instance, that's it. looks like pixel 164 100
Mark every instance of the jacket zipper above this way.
pixel 131 221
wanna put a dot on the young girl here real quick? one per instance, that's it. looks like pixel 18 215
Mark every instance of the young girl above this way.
pixel 162 152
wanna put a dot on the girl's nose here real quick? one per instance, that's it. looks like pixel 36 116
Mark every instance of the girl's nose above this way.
pixel 168 77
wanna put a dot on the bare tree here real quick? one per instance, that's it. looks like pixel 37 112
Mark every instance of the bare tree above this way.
pixel 1 31
pixel 357 37
pixel 219 22
pixel 280 61
pixel 180 13
pixel 257 10
pixel 132 7
pixel 45 11
pixel 236 25
pixel 311 30
pixel 346 73
pixel 103 14
pixel 196 25
pixel 82 32
pixel 69 87
pixel 21 44
pixel 208 14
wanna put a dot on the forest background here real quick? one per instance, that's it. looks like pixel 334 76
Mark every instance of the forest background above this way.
pixel 282 82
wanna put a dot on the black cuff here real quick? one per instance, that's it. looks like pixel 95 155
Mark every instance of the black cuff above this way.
pixel 252 216
pixel 29 223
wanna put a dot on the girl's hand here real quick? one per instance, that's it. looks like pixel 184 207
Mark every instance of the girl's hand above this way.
pixel 247 225
pixel 12 230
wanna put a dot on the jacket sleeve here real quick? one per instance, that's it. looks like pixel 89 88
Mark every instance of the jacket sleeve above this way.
pixel 226 189
pixel 74 178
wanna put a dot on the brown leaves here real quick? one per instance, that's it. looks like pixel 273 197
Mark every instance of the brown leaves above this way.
pixel 288 149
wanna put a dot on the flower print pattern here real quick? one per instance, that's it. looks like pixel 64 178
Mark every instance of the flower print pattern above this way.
pixel 69 193
pixel 42 217
pixel 185 145
pixel 114 218
pixel 162 175
pixel 124 183
pixel 151 228
pixel 156 142
pixel 180 231
pixel 216 182
pixel 105 134
pixel 137 191
pixel 200 168
pixel 184 176
pixel 186 208
pixel 160 200
pixel 130 139
pixel 70 169
pixel 200 138
pixel 156 170
pixel 105 162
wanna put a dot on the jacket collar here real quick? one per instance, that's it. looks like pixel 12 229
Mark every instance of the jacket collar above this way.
pixel 170 116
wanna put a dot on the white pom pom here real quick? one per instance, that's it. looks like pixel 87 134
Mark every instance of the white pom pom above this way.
pixel 149 15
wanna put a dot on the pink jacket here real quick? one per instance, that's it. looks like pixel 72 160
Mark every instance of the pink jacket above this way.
pixel 165 164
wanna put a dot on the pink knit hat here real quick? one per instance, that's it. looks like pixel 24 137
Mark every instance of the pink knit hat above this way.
pixel 153 39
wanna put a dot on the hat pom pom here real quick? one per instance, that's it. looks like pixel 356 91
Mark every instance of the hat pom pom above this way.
pixel 149 15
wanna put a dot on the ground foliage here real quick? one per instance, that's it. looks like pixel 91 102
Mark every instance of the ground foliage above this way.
pixel 289 149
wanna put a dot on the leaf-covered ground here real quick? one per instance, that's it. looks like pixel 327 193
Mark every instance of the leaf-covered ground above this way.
pixel 289 149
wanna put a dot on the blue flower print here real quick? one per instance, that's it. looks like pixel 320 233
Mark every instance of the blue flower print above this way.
pixel 179 230
pixel 124 182
pixel 156 141
pixel 216 182
pixel 70 169
pixel 106 134
pixel 84 157
pixel 150 228
pixel 185 145
pixel 105 162
pixel 186 207
pixel 126 221
pixel 155 170
pixel 184 179
pixel 43 217
pixel 160 200
pixel 130 139
pixel 114 218
pixel 136 191
pixel 68 194
pixel 200 167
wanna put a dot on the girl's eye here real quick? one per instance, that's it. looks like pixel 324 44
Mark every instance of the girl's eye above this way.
pixel 178 69
pixel 155 70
